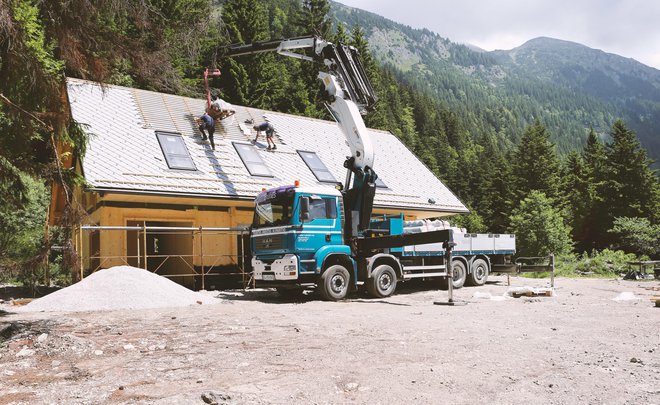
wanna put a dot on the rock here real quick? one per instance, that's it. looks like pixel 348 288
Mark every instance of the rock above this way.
pixel 212 398
pixel 129 347
pixel 351 386
pixel 635 360
pixel 25 352
pixel 55 363
pixel 42 338
pixel 98 352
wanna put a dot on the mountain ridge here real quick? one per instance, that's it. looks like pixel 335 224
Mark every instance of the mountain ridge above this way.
pixel 569 86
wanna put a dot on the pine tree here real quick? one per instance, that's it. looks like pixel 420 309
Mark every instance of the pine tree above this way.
pixel 314 17
pixel 577 187
pixel 260 80
pixel 535 165
pixel 491 188
pixel 340 36
pixel 593 224
pixel 629 188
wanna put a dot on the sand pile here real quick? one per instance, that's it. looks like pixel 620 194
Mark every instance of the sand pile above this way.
pixel 121 287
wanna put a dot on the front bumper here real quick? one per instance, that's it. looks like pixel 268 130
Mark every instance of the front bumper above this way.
pixel 283 269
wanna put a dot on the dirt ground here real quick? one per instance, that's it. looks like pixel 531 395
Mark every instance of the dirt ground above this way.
pixel 579 346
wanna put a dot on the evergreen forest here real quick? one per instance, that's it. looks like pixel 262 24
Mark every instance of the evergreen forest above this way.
pixel 588 199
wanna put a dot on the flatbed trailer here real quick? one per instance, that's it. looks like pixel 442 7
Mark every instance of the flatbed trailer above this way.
pixel 422 250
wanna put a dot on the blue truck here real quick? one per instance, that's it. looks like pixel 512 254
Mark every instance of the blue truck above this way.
pixel 298 241
pixel 326 238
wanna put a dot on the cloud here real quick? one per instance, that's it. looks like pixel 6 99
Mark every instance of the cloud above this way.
pixel 625 27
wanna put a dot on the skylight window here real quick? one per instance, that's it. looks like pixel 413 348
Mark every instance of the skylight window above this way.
pixel 252 161
pixel 317 167
pixel 175 151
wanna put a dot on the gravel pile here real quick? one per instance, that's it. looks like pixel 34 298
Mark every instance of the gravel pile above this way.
pixel 121 287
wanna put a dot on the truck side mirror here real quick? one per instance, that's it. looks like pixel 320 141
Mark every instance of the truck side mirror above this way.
pixel 304 209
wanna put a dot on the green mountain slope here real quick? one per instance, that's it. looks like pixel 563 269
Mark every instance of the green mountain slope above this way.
pixel 570 87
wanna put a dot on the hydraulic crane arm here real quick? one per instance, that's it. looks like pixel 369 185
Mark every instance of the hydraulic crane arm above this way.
pixel 349 92
pixel 349 95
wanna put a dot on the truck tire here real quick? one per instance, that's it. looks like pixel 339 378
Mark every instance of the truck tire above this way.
pixel 334 283
pixel 479 272
pixel 460 273
pixel 382 282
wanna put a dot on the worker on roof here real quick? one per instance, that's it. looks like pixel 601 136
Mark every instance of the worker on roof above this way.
pixel 268 128
pixel 206 122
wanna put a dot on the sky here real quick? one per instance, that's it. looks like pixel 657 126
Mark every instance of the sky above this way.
pixel 630 28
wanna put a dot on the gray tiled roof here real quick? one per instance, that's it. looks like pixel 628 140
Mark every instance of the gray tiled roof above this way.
pixel 124 154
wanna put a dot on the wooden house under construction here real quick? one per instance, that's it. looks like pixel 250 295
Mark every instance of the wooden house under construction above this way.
pixel 159 197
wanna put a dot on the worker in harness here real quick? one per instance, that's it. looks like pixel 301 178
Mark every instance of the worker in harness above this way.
pixel 267 127
pixel 207 123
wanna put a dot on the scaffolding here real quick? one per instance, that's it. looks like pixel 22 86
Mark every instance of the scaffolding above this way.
pixel 229 258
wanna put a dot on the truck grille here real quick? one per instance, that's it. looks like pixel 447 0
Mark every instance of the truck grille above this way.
pixel 269 242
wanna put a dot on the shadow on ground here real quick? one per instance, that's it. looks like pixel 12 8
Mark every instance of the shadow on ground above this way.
pixel 12 292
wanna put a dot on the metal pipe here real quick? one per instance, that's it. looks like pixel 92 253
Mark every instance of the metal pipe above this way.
pixel 156 228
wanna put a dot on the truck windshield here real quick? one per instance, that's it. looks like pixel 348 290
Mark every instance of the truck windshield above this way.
pixel 273 212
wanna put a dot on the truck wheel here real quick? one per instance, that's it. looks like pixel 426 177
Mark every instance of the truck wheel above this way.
pixel 382 282
pixel 459 273
pixel 334 283
pixel 479 273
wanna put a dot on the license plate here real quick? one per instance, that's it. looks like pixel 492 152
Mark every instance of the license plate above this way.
pixel 269 277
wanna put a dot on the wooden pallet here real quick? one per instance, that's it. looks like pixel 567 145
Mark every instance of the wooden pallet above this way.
pixel 656 299
pixel 21 301
pixel 547 292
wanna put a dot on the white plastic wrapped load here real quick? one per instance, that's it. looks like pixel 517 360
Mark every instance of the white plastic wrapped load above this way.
pixel 427 225
pixel 221 105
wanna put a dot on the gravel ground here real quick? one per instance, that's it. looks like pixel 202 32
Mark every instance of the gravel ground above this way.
pixel 579 346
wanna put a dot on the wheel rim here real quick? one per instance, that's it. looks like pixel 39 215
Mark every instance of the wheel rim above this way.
pixel 337 283
pixel 458 272
pixel 480 272
pixel 385 281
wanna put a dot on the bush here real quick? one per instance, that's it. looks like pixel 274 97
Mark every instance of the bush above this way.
pixel 604 263
pixel 637 235
pixel 539 228
pixel 565 265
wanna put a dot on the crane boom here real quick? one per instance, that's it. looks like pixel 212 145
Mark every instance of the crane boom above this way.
pixel 349 95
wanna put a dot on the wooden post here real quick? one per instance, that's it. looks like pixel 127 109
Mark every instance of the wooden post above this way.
pixel 139 251
pixel 552 271
pixel 201 253
pixel 46 262
pixel 144 242
pixel 79 250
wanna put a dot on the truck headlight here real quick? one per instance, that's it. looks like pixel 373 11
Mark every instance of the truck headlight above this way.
pixel 290 268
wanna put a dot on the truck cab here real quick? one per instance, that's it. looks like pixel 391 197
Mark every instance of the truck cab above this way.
pixel 297 232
